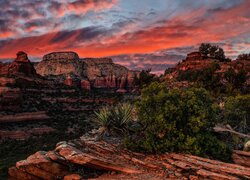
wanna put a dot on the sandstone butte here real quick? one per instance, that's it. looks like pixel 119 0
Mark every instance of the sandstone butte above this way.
pixel 56 70
pixel 90 158
pixel 88 72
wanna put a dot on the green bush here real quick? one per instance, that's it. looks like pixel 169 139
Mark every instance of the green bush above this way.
pixel 176 120
pixel 114 119
pixel 237 113
pixel 145 78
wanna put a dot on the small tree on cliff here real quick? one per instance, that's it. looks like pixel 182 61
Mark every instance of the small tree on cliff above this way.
pixel 213 51
pixel 145 78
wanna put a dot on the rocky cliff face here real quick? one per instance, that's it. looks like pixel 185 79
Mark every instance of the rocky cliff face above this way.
pixel 93 72
pixel 59 63
pixel 88 158
pixel 26 96
pixel 18 73
pixel 20 66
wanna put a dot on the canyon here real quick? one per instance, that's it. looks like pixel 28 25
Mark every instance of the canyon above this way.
pixel 34 94
pixel 53 101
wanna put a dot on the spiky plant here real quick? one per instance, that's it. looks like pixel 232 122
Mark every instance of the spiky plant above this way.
pixel 103 120
pixel 121 117
pixel 114 119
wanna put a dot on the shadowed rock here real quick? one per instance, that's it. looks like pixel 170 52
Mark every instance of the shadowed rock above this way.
pixel 87 152
pixel 20 66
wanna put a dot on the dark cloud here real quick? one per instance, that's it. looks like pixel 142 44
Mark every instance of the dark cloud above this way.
pixel 83 34
pixel 20 17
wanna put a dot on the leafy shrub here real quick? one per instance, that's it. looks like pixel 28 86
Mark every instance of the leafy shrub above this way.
pixel 114 119
pixel 176 120
pixel 236 79
pixel 237 113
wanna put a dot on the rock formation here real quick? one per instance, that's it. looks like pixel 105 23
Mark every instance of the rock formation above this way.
pixel 59 63
pixel 85 84
pixel 72 159
pixel 100 72
pixel 197 62
pixel 20 66
pixel 195 56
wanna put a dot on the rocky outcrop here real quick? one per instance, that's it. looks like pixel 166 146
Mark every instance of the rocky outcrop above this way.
pixel 103 73
pixel 99 72
pixel 195 61
pixel 63 56
pixel 59 63
pixel 20 66
pixel 85 84
pixel 195 56
pixel 241 157
pixel 80 158
pixel 5 81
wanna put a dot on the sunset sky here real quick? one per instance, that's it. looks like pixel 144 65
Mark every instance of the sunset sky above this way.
pixel 136 33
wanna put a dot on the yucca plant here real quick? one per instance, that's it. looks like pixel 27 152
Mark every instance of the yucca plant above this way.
pixel 103 119
pixel 114 119
pixel 121 117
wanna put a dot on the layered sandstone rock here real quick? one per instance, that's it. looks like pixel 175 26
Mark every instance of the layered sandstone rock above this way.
pixel 241 157
pixel 5 81
pixel 20 66
pixel 24 134
pixel 27 116
pixel 103 73
pixel 99 72
pixel 59 63
pixel 88 153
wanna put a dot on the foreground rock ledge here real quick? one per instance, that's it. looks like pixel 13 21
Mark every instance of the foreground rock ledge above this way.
pixel 88 158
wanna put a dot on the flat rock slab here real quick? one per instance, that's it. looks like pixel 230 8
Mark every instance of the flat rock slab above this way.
pixel 89 155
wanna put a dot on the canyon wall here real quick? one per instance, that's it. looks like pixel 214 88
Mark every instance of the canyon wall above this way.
pixel 86 72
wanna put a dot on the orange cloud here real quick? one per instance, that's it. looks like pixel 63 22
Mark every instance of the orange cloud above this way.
pixel 183 30
pixel 81 7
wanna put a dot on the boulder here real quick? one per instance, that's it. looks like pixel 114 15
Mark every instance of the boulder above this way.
pixel 85 84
